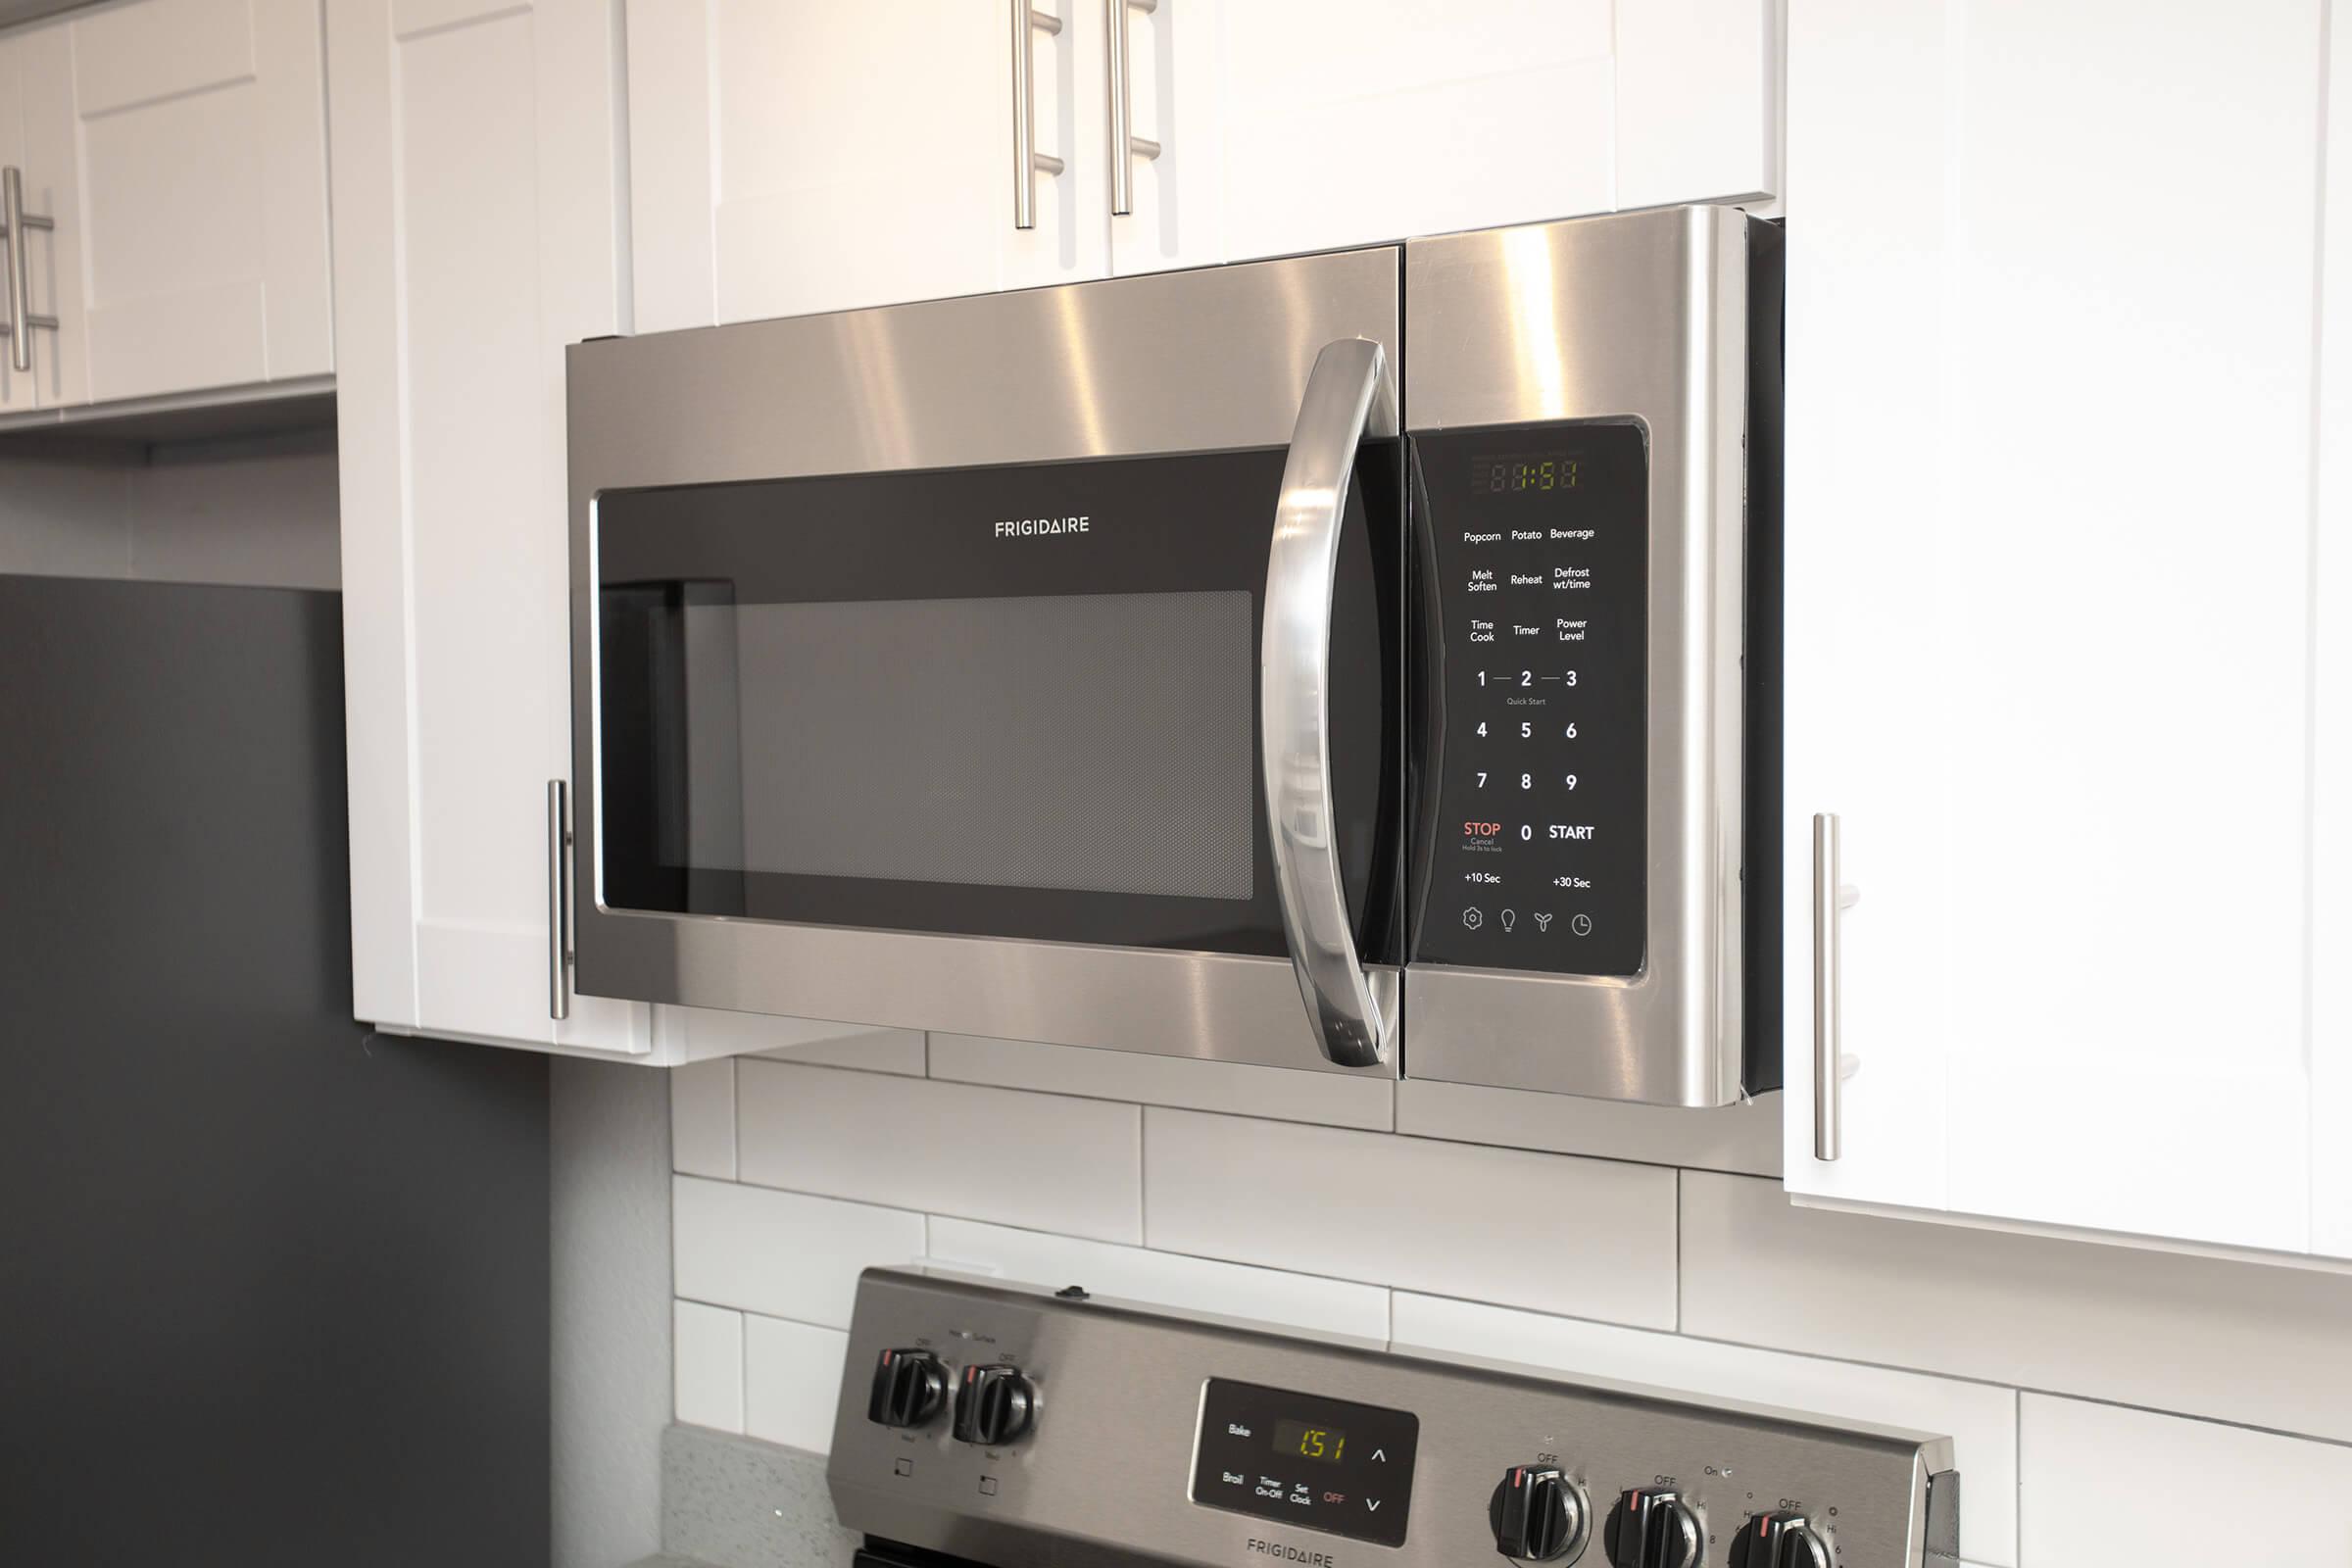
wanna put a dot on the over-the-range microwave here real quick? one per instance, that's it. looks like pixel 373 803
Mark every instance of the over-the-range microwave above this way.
pixel 1362 662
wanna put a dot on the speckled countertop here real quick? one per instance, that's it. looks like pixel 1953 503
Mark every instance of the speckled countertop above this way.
pixel 737 1503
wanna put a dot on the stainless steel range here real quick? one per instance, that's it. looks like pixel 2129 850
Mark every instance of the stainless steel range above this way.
pixel 1021 1428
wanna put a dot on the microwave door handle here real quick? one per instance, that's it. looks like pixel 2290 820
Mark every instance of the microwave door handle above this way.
pixel 1349 395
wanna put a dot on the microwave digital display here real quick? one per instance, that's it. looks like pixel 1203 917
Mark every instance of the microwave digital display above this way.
pixel 1525 473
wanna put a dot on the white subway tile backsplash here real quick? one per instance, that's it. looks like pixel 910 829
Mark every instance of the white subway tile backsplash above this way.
pixel 1333 1099
pixel 1048 1161
pixel 2239 1342
pixel 1548 1230
pixel 1736 1137
pixel 785 1254
pixel 2109 1485
pixel 1298 1302
pixel 1978 1417
pixel 702 1120
pixel 706 1346
pixel 899 1050
pixel 792 1382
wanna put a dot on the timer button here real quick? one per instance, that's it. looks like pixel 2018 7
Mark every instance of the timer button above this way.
pixel 909 1389
pixel 1652 1526
pixel 993 1405
pixel 1539 1514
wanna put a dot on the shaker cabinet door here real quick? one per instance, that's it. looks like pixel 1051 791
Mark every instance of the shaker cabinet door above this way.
pixel 2051 609
pixel 202 212
pixel 1346 122
pixel 478 228
pixel 36 147
pixel 793 156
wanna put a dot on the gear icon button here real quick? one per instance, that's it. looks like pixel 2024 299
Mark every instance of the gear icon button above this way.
pixel 1473 919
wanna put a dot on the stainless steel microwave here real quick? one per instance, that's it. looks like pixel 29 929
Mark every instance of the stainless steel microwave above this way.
pixel 1362 662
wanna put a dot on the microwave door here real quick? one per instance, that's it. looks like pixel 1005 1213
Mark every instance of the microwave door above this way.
pixel 1350 395
pixel 933 700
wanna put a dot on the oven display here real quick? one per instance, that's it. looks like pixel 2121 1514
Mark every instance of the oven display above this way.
pixel 1302 1440
pixel 1304 1459
pixel 1537 541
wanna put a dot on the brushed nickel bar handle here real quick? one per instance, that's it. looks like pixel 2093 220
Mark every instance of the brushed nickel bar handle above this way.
pixel 1125 144
pixel 15 224
pixel 1026 159
pixel 559 900
pixel 1831 898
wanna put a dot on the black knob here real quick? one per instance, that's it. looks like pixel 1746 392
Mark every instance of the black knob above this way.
pixel 994 1404
pixel 1539 1514
pixel 1783 1539
pixel 909 1389
pixel 1653 1527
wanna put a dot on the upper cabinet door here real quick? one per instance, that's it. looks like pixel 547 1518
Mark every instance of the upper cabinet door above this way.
pixel 1346 122
pixel 479 231
pixel 37 145
pixel 796 156
pixel 2049 605
pixel 203 217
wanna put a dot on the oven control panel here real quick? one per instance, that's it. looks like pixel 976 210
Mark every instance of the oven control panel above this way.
pixel 1537 542
pixel 1307 1459
pixel 1012 1424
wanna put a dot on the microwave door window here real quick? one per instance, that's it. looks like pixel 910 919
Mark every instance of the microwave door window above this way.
pixel 856 700
pixel 672 804
pixel 1088 743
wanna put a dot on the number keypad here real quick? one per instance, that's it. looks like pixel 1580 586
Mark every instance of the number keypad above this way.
pixel 1539 540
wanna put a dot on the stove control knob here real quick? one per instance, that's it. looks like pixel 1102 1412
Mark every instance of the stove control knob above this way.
pixel 993 1405
pixel 1783 1539
pixel 1652 1526
pixel 1539 1514
pixel 909 1389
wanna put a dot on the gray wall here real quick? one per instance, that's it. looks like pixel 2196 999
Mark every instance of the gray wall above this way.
pixel 256 511
pixel 273 1291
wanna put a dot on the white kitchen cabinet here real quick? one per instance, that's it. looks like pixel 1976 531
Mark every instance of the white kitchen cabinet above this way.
pixel 36 142
pixel 799 157
pixel 796 156
pixel 1345 121
pixel 2331 692
pixel 478 216
pixel 2050 612
pixel 189 178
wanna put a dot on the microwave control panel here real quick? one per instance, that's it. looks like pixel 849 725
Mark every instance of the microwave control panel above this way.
pixel 1537 538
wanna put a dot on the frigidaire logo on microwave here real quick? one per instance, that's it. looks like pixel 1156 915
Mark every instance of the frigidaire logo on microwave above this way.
pixel 1026 527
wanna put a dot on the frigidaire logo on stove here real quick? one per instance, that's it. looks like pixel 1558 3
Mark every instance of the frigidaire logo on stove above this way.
pixel 1275 1548
pixel 1026 527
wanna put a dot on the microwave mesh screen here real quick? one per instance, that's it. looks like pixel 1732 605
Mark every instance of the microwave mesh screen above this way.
pixel 1095 743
